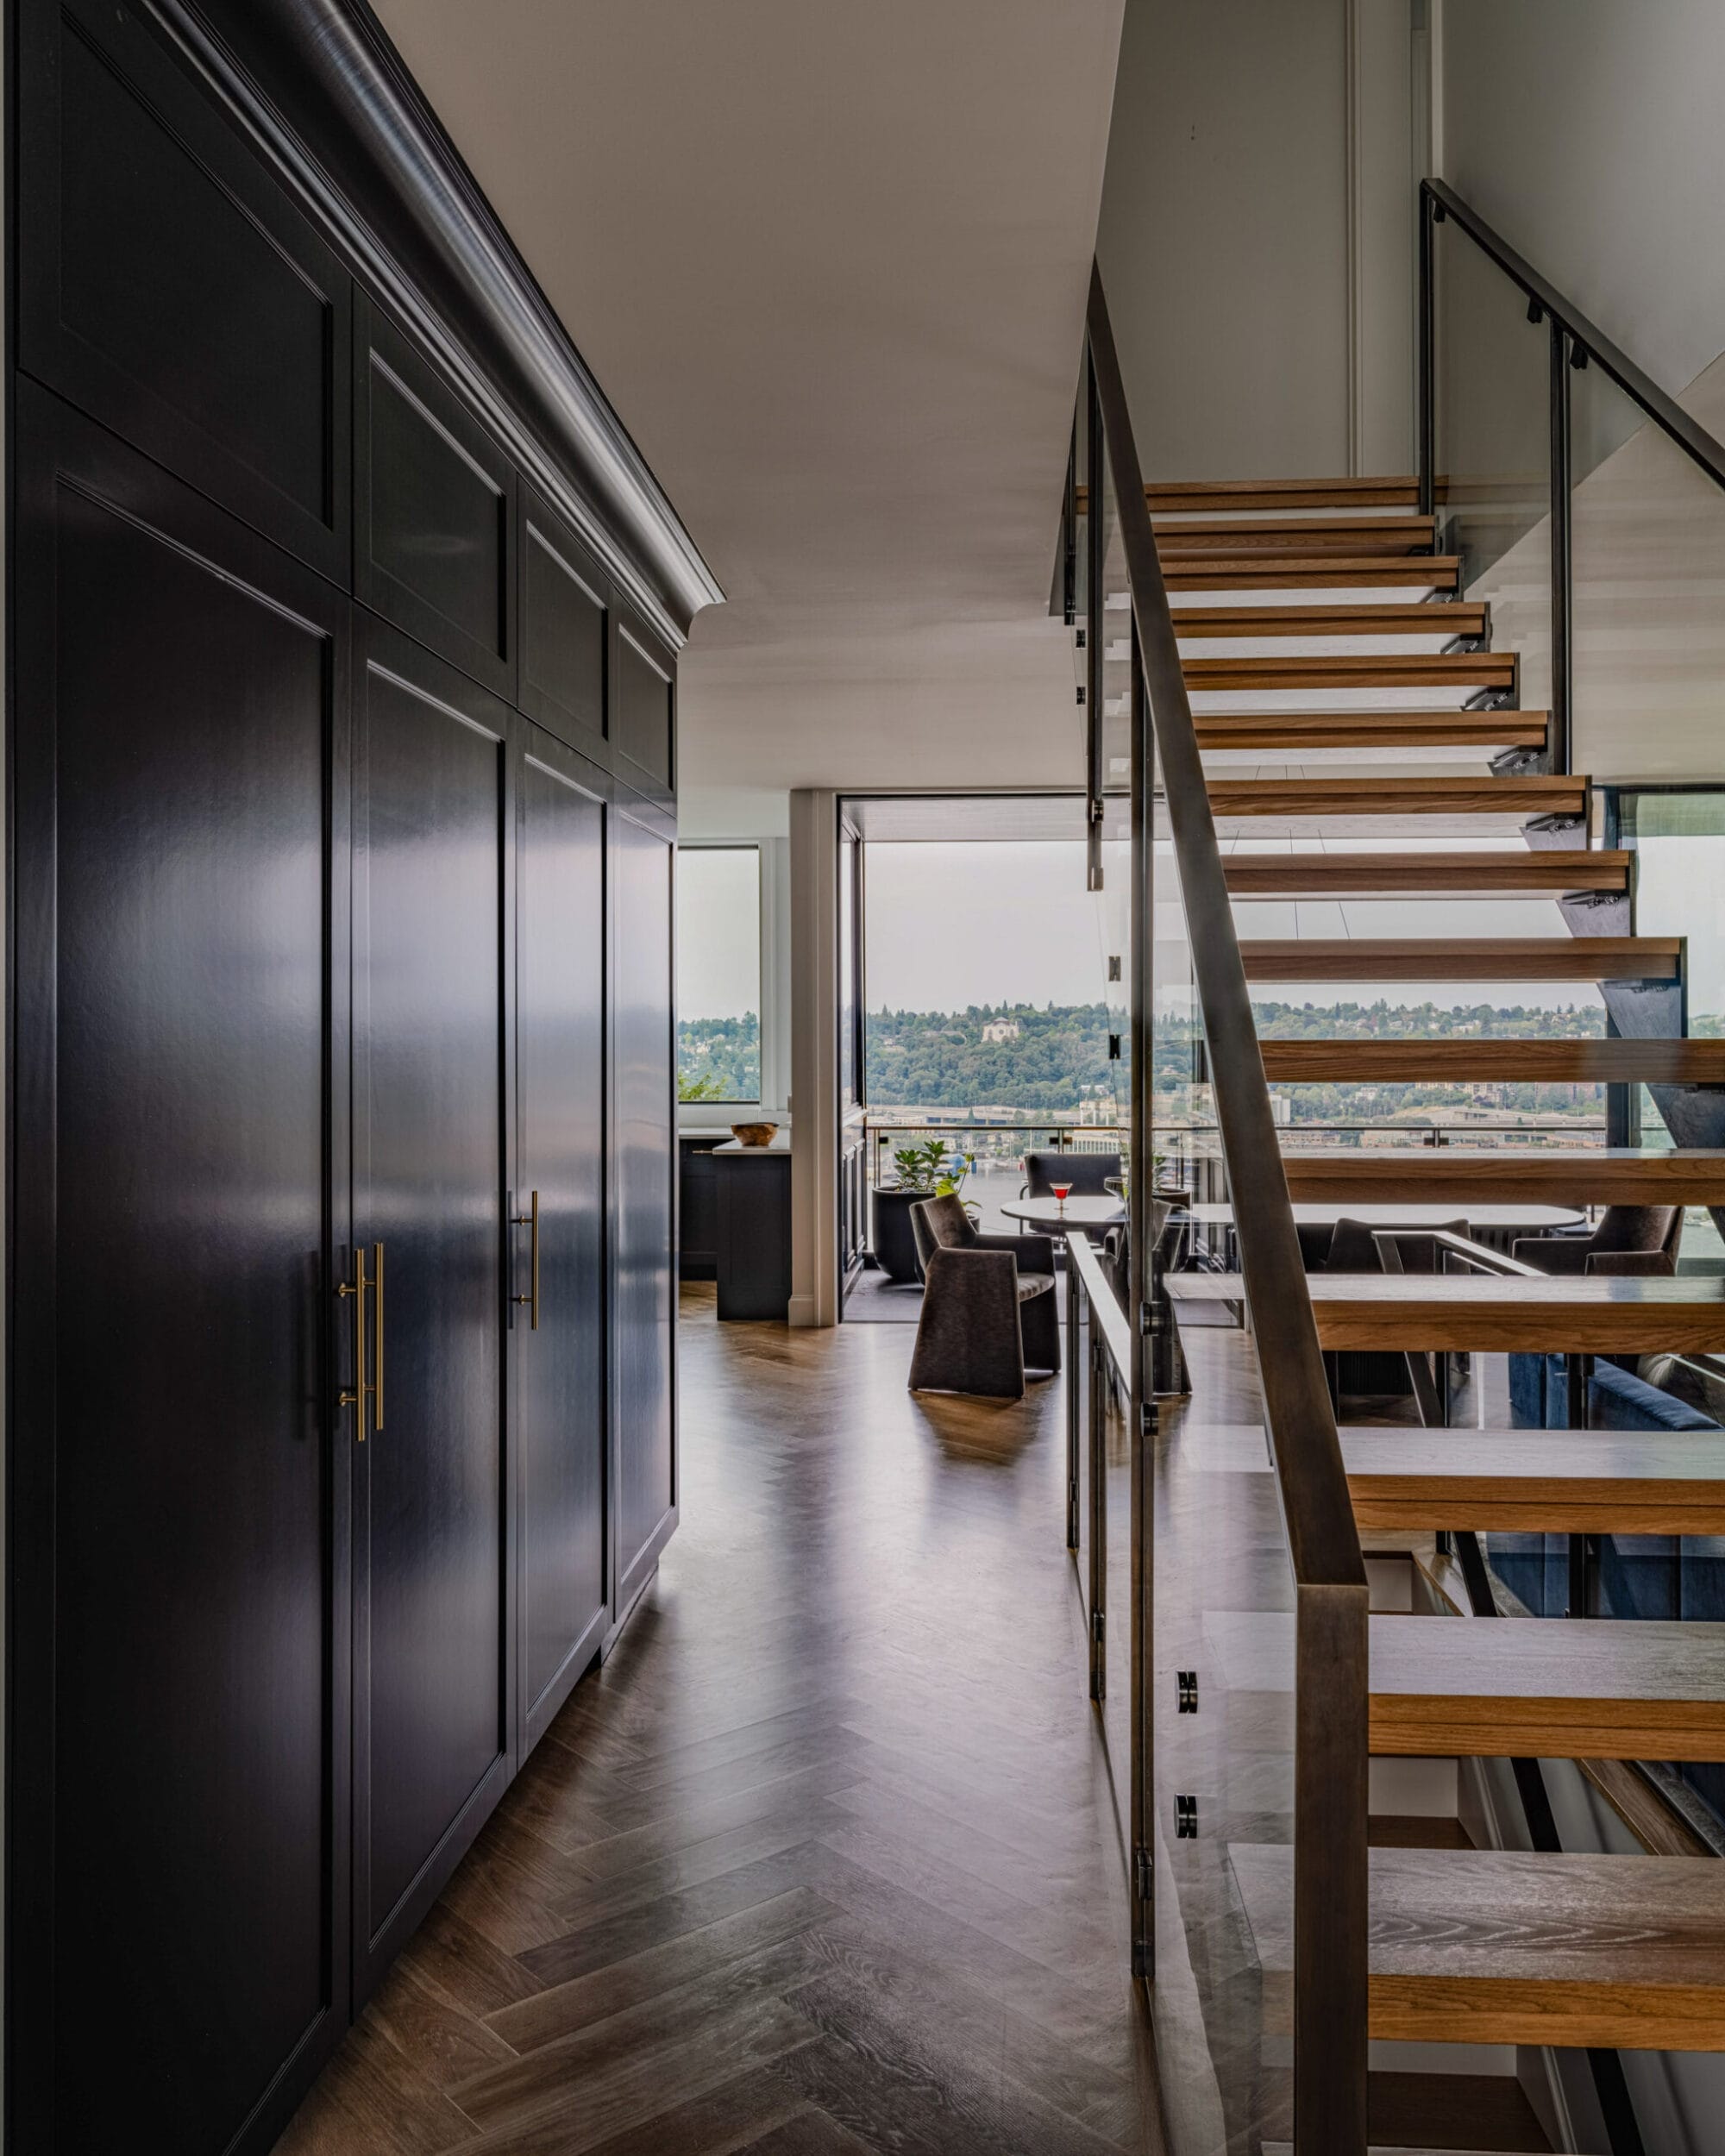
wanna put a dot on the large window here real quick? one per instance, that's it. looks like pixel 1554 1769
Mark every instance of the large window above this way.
pixel 718 973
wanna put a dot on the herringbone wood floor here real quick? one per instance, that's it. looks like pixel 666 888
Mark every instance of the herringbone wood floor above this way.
pixel 825 1858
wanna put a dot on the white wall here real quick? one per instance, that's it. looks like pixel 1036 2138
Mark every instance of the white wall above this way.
pixel 1257 235
pixel 1588 131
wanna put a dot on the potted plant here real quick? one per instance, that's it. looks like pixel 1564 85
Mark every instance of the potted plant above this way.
pixel 920 1171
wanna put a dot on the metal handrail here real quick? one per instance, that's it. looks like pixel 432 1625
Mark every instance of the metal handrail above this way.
pixel 1323 1541
pixel 1443 202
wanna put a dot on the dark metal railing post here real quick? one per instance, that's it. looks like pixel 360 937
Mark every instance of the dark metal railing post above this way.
pixel 1144 1300
pixel 1430 214
pixel 1095 676
pixel 1073 1389
pixel 1562 566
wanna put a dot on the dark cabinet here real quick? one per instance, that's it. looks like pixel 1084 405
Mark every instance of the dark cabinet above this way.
pixel 167 286
pixel 434 509
pixel 180 1643
pixel 644 1141
pixel 565 629
pixel 340 1289
pixel 558 1297
pixel 431 812
pixel 754 1188
pixel 644 729
pixel 696 1209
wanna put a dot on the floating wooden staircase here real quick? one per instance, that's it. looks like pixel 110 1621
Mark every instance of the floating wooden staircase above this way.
pixel 1468 1945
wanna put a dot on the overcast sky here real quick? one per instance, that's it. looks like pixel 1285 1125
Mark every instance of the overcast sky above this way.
pixel 953 926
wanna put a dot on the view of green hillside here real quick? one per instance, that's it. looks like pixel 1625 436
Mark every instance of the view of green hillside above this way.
pixel 1046 1061
pixel 719 1059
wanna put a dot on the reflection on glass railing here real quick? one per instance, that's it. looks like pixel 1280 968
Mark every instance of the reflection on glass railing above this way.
pixel 1648 622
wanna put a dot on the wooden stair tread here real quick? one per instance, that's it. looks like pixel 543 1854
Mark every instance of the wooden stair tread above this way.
pixel 1392 535
pixel 1491 1313
pixel 1494 1061
pixel 1364 875
pixel 1355 670
pixel 1463 958
pixel 1540 793
pixel 1167 497
pixel 1577 1175
pixel 1280 568
pixel 1505 1946
pixel 1297 730
pixel 1556 1482
pixel 1436 617
pixel 1504 1688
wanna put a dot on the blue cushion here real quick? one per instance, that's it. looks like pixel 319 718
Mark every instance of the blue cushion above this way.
pixel 1618 1401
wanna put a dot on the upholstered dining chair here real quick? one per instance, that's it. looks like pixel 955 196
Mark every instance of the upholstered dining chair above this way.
pixel 988 1305
pixel 1627 1239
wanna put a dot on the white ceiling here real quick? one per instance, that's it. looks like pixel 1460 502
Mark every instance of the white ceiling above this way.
pixel 828 258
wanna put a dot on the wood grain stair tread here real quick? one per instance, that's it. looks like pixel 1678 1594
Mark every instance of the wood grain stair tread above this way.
pixel 1540 793
pixel 1675 1063
pixel 1491 1312
pixel 1463 958
pixel 1577 1175
pixel 1297 730
pixel 1459 670
pixel 1392 535
pixel 1363 874
pixel 1503 1946
pixel 1280 568
pixel 1547 1689
pixel 1556 1482
pixel 1436 617
pixel 1168 497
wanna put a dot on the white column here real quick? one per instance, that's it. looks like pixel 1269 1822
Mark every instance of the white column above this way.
pixel 814 1056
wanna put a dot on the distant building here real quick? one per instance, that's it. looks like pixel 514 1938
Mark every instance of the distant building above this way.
pixel 1001 1029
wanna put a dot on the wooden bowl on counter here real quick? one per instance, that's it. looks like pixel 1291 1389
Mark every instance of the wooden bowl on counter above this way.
pixel 754 1133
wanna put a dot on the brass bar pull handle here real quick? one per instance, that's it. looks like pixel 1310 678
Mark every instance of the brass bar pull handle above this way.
pixel 377 1362
pixel 532 1221
pixel 356 1397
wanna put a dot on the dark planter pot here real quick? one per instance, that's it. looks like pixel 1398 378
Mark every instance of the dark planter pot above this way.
pixel 894 1242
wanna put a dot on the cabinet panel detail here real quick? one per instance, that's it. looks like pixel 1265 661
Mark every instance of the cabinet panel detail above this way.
pixel 429 1000
pixel 643 710
pixel 434 511
pixel 644 1154
pixel 565 624
pixel 170 290
pixel 559 1242
pixel 177 1523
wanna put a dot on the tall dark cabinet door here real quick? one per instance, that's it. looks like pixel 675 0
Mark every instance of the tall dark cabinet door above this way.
pixel 430 1735
pixel 178 1815
pixel 559 1300
pixel 644 1155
